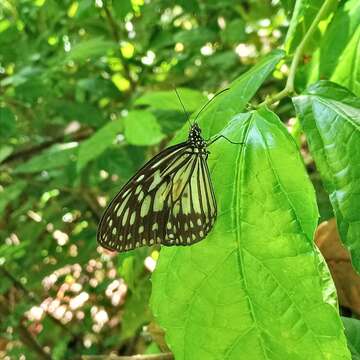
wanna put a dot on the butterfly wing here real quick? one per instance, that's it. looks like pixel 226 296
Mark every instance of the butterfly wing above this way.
pixel 194 212
pixel 170 200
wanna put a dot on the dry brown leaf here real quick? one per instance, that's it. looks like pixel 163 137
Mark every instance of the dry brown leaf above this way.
pixel 347 280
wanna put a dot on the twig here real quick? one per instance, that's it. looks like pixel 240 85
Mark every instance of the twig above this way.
pixel 92 204
pixel 29 340
pixel 25 336
pixel 289 87
pixel 164 356
pixel 116 36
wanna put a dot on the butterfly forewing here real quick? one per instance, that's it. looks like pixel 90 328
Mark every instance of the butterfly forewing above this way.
pixel 170 201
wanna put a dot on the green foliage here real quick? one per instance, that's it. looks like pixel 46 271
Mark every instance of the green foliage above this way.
pixel 330 117
pixel 248 268
pixel 218 113
pixel 338 56
pixel 98 143
pixel 86 97
pixel 167 100
pixel 352 331
pixel 11 193
pixel 148 124
pixel 303 16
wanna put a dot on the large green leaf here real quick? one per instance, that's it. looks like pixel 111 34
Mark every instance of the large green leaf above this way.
pixel 330 117
pixel 256 288
pixel 219 112
pixel 167 100
pixel 340 50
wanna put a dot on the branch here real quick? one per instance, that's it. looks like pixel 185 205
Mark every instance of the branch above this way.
pixel 164 356
pixel 289 87
pixel 32 150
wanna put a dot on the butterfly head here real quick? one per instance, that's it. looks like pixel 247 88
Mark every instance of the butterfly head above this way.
pixel 195 138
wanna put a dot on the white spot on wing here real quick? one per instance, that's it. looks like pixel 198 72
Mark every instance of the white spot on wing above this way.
pixel 145 206
pixel 126 214
pixel 132 217
pixel 156 180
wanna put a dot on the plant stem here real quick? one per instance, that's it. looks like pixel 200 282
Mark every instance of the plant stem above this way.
pixel 289 87
pixel 164 356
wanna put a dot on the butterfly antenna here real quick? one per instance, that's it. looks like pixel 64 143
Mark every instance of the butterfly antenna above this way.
pixel 208 102
pixel 185 112
pixel 223 137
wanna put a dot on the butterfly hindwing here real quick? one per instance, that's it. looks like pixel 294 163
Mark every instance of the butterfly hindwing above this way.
pixel 194 212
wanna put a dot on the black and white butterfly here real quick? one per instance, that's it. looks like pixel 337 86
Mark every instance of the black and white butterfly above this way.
pixel 169 201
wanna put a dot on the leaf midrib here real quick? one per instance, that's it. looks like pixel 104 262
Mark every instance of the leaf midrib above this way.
pixel 236 199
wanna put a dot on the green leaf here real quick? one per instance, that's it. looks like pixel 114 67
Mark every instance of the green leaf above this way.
pixel 82 112
pixel 330 117
pixel 142 128
pixel 288 5
pixel 218 113
pixel 98 143
pixel 122 8
pixel 91 48
pixel 7 123
pixel 352 332
pixel 256 288
pixel 22 76
pixel 340 50
pixel 234 32
pixel 195 38
pixel 11 193
pixel 167 100
pixel 5 151
pixel 303 15
pixel 56 157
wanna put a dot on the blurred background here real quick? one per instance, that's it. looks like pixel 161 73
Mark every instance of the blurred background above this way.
pixel 86 97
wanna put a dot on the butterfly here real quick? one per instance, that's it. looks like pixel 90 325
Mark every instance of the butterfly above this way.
pixel 169 201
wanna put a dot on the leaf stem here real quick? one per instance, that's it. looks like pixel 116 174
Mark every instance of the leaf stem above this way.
pixel 289 88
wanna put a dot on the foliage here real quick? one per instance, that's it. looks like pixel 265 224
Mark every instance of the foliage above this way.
pixel 86 97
